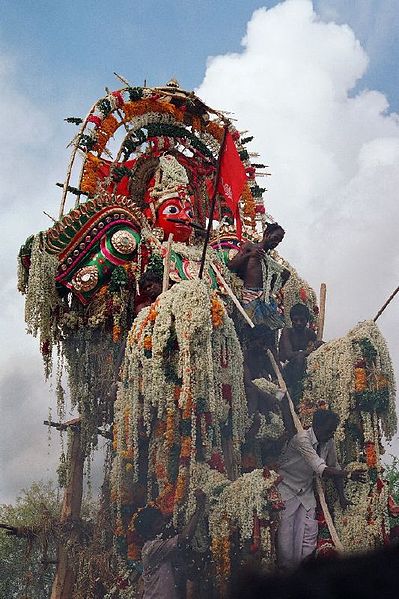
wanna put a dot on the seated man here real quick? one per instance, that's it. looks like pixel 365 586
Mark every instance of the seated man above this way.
pixel 158 550
pixel 296 343
pixel 308 454
pixel 262 277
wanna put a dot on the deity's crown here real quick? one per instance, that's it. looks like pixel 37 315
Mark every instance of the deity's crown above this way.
pixel 170 181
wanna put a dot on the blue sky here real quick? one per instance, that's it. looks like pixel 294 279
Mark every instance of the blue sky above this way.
pixel 318 87
pixel 61 46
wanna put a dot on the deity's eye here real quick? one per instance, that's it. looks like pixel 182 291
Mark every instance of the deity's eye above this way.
pixel 189 213
pixel 171 210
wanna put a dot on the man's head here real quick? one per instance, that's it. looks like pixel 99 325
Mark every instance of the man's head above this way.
pixel 150 285
pixel 149 523
pixel 260 338
pixel 300 316
pixel 325 424
pixel 272 236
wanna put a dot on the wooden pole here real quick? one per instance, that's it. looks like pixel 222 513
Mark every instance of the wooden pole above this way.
pixel 166 263
pixel 381 310
pixel 71 161
pixel 231 294
pixel 299 428
pixel 213 203
pixel 322 314
pixel 70 512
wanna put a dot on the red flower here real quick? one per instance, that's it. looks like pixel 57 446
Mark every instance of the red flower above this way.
pixel 119 99
pixel 303 296
pixel 94 119
pixel 216 463
pixel 235 135
pixel 226 393
pixel 266 472
pixel 46 348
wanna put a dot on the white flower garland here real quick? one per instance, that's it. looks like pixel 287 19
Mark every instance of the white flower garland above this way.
pixel 270 430
pixel 146 391
pixel 41 297
pixel 238 501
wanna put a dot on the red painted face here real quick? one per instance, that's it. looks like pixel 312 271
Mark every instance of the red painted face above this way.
pixel 175 209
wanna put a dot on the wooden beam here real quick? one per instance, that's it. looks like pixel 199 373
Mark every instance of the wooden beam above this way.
pixel 322 313
pixel 70 512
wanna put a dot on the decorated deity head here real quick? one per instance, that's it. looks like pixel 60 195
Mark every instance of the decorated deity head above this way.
pixel 169 199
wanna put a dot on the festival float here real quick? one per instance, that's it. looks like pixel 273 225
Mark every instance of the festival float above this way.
pixel 130 296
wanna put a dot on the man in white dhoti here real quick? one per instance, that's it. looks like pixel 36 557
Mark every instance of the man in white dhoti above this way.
pixel 309 453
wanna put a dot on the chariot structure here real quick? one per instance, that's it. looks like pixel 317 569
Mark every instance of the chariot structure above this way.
pixel 130 294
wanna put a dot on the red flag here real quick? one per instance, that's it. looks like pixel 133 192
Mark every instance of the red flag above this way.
pixel 232 177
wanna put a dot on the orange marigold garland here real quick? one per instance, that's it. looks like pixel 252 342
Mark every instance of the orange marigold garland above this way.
pixel 106 130
pixel 133 109
pixel 88 183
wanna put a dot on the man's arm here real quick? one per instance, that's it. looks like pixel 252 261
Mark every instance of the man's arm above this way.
pixel 338 476
pixel 188 531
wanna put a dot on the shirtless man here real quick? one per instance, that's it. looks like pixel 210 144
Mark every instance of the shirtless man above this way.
pixel 296 343
pixel 262 277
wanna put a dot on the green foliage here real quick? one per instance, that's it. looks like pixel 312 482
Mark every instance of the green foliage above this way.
pixel 391 475
pixel 368 350
pixel 246 140
pixel 74 120
pixel 155 265
pixel 104 106
pixel 119 279
pixel 135 93
pixel 370 400
pixel 23 569
pixel 87 143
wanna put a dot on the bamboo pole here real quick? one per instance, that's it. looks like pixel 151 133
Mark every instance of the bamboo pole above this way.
pixel 166 263
pixel 231 294
pixel 322 313
pixel 299 428
pixel 72 159
pixel 381 310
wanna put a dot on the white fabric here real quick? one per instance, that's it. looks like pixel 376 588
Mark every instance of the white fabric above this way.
pixel 299 462
pixel 297 533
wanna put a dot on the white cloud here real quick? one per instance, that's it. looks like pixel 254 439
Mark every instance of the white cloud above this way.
pixel 333 157
pixel 27 172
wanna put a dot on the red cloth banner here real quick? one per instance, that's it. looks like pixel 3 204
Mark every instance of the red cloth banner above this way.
pixel 232 178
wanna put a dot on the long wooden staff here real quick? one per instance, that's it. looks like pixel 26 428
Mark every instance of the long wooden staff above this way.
pixel 213 203
pixel 231 294
pixel 299 428
pixel 386 303
pixel 322 314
